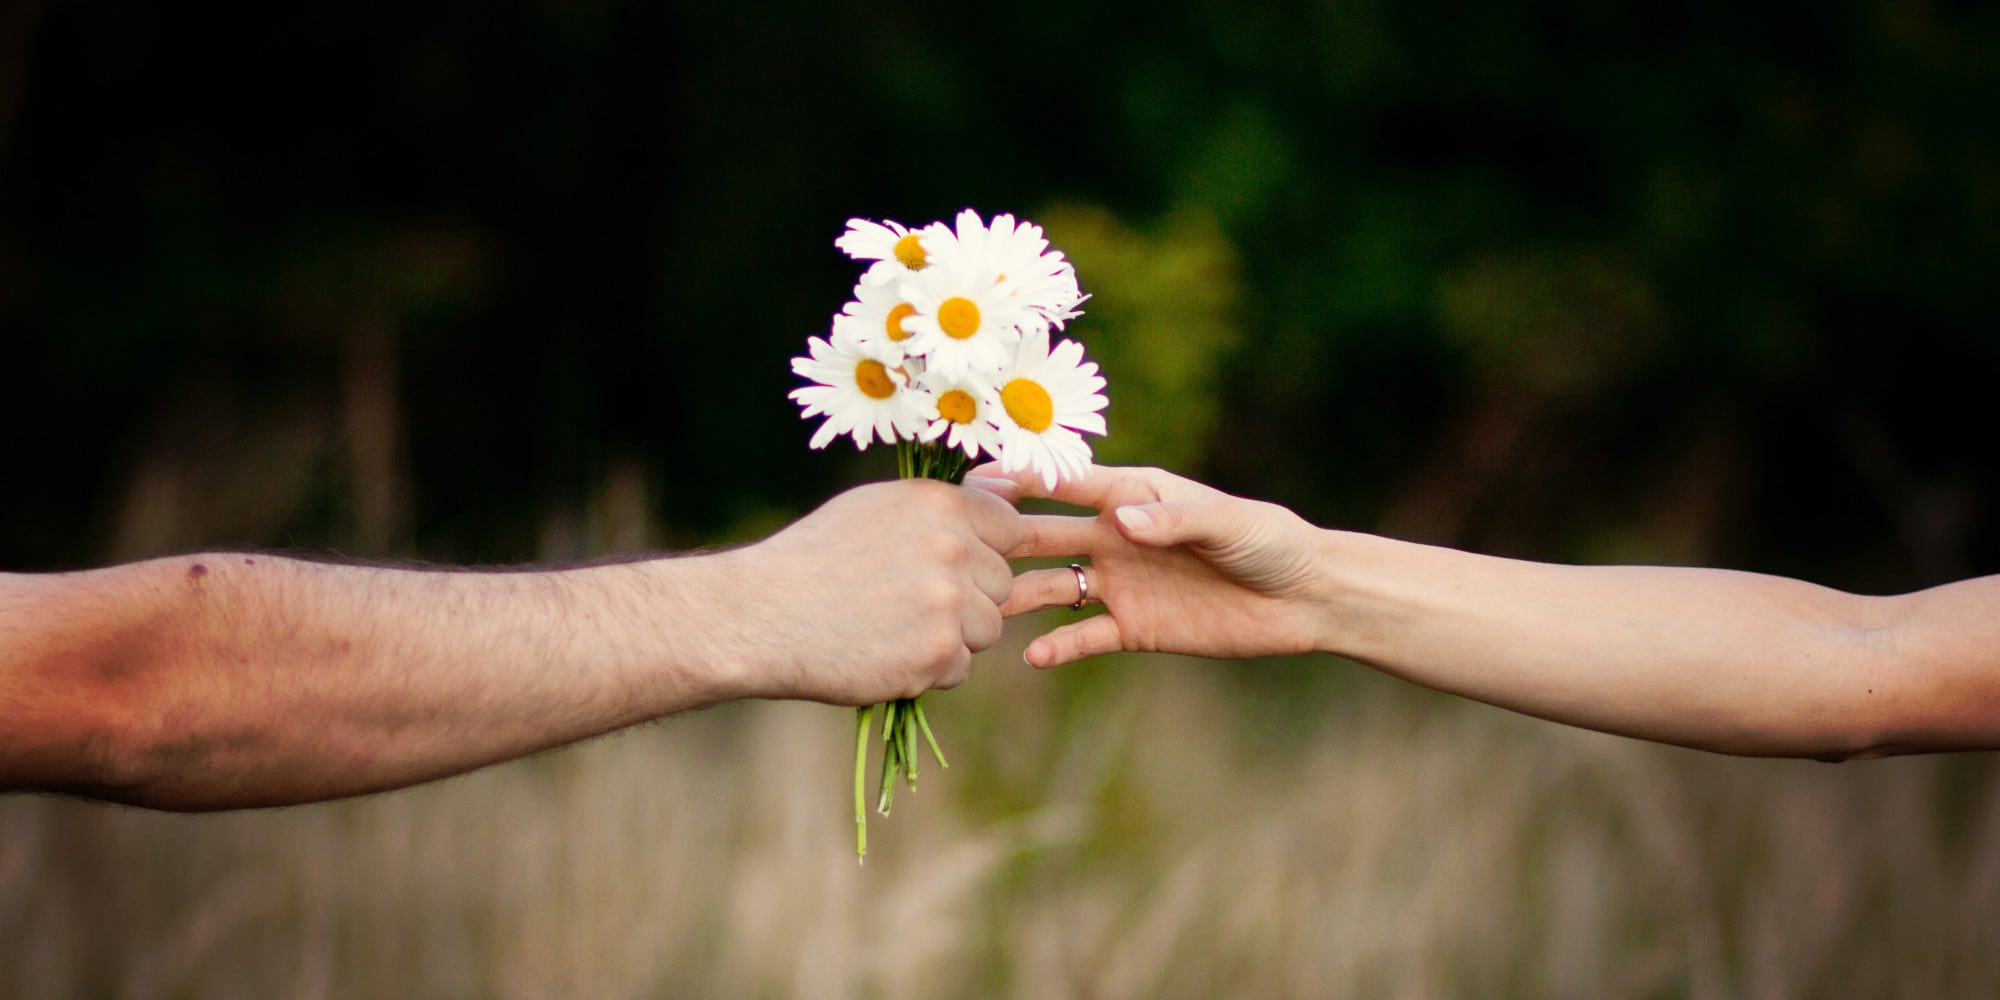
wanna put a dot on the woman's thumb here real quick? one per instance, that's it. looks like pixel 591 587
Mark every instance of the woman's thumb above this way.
pixel 1167 523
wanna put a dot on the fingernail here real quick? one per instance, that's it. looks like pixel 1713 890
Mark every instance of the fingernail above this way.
pixel 1134 519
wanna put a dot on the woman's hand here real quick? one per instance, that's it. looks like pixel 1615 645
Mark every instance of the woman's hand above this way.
pixel 1181 567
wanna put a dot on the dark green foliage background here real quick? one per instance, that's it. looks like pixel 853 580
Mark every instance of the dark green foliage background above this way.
pixel 1536 277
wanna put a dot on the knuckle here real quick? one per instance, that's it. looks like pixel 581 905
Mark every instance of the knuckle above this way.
pixel 930 497
pixel 1030 536
pixel 984 629
pixel 940 647
pixel 1012 538
pixel 1066 648
pixel 1151 480
pixel 937 597
pixel 980 559
pixel 946 548
pixel 960 670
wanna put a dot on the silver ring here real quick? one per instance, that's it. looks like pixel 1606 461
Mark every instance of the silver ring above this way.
pixel 1082 587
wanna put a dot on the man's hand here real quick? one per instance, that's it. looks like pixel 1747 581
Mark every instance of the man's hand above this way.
pixel 884 592
pixel 1182 568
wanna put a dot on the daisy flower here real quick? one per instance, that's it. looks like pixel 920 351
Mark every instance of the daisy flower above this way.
pixel 877 313
pixel 1038 277
pixel 862 389
pixel 962 243
pixel 897 252
pixel 963 319
pixel 1040 280
pixel 1045 400
pixel 963 409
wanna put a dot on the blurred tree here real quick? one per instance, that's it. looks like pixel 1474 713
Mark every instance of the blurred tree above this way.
pixel 1495 275
pixel 1160 319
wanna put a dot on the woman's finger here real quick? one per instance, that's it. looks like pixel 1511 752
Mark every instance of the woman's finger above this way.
pixel 1070 643
pixel 1059 535
pixel 1040 589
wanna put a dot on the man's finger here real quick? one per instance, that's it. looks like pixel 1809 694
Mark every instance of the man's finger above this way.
pixel 992 575
pixel 993 520
pixel 980 627
pixel 987 470
pixel 955 670
pixel 1005 489
pixel 1071 643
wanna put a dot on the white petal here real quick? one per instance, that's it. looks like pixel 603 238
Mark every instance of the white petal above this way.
pixel 1090 422
pixel 826 433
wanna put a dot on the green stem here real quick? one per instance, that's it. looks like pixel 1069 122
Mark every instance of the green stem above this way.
pixel 910 743
pixel 887 796
pixel 917 709
pixel 863 718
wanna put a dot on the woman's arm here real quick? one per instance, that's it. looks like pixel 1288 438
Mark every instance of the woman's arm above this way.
pixel 1719 660
pixel 235 679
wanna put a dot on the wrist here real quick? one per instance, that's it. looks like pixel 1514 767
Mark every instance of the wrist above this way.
pixel 1378 592
pixel 674 633
pixel 731 647
pixel 1339 585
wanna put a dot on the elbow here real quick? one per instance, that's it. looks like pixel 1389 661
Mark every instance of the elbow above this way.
pixel 84 740
pixel 1865 724
pixel 114 745
pixel 1886 698
pixel 1827 740
pixel 95 696
pixel 150 747
pixel 108 730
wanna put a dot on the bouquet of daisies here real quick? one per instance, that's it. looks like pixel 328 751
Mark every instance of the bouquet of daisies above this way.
pixel 945 352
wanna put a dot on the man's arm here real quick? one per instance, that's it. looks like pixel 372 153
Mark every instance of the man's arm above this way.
pixel 1719 660
pixel 224 680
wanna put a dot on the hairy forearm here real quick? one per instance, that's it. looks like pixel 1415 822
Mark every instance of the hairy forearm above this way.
pixel 1719 660
pixel 227 680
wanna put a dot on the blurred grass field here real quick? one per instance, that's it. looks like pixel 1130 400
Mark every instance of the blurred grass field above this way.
pixel 1137 827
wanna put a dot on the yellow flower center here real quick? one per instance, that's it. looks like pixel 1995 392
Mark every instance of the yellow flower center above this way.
pixel 874 379
pixel 959 318
pixel 895 323
pixel 910 252
pixel 957 406
pixel 1029 404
